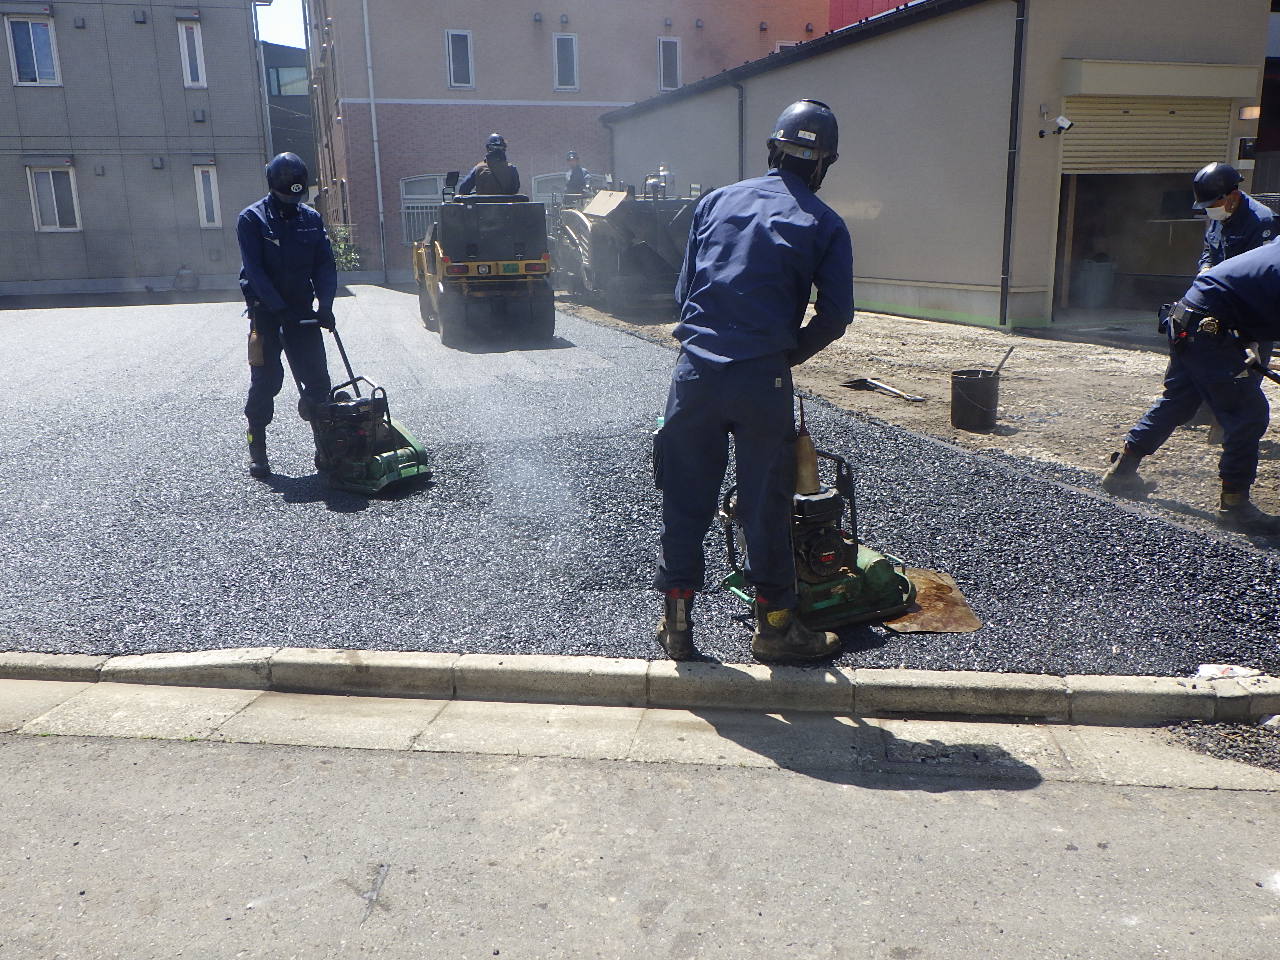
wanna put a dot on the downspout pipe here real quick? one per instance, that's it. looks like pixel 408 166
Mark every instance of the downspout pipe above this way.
pixel 377 150
pixel 742 132
pixel 1011 173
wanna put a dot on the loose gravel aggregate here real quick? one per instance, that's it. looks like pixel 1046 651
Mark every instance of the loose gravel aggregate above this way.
pixel 1244 742
pixel 130 525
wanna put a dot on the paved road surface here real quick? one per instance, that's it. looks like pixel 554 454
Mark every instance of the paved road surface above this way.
pixel 131 526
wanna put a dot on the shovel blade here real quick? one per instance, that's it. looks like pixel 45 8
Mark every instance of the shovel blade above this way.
pixel 939 606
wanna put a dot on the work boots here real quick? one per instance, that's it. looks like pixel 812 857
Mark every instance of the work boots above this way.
pixel 1121 478
pixel 780 637
pixel 675 630
pixel 1237 512
pixel 259 467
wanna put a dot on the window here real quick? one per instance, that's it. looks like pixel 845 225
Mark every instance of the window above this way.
pixel 420 199
pixel 192 50
pixel 33 53
pixel 784 45
pixel 458 45
pixel 53 199
pixel 668 63
pixel 287 81
pixel 566 61
pixel 207 197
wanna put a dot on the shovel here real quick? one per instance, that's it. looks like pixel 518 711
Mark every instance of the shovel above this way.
pixel 866 383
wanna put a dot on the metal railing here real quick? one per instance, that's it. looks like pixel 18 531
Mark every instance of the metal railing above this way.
pixel 416 219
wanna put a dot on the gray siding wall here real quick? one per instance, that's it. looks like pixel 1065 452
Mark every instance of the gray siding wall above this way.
pixel 120 106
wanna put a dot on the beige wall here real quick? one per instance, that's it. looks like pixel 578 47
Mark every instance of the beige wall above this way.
pixel 696 138
pixel 1140 30
pixel 924 114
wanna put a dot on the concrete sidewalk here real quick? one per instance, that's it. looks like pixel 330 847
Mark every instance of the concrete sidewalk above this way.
pixel 602 681
pixel 848 747
pixel 466 830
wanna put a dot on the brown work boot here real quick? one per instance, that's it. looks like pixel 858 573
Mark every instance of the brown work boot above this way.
pixel 780 637
pixel 675 629
pixel 1237 512
pixel 259 467
pixel 1121 478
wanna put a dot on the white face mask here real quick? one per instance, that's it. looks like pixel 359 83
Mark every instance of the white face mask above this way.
pixel 1216 213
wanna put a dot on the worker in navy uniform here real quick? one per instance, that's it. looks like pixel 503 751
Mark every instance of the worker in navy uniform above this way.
pixel 1237 224
pixel 756 248
pixel 493 174
pixel 287 266
pixel 576 178
pixel 1215 330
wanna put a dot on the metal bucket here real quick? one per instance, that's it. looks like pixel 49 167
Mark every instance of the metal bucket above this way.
pixel 975 395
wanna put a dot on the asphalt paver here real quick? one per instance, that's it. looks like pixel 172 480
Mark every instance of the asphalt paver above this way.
pixel 131 526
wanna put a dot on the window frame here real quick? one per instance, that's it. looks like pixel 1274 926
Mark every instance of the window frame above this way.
pixel 212 168
pixel 187 82
pixel 10 18
pixel 273 76
pixel 448 59
pixel 35 204
pixel 555 64
pixel 662 87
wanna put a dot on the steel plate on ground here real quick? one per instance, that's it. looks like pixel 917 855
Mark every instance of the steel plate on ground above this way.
pixel 939 606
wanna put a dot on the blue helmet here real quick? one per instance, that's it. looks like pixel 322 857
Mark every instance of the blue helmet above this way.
pixel 1213 182
pixel 287 177
pixel 807 130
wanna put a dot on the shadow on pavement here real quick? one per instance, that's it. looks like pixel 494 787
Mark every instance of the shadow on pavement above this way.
pixel 313 489
pixel 849 750
pixel 498 345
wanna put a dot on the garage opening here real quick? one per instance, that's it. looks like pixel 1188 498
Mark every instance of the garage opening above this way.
pixel 1127 236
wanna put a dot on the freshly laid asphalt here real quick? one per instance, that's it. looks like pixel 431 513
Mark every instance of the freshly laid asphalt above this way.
pixel 129 525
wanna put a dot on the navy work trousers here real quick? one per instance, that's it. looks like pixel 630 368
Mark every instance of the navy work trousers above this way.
pixel 752 401
pixel 303 345
pixel 1210 368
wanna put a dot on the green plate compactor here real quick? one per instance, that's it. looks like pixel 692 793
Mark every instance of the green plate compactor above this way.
pixel 360 447
pixel 838 580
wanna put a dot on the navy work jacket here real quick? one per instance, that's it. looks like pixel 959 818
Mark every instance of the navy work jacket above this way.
pixel 1244 291
pixel 576 179
pixel 491 176
pixel 1251 225
pixel 286 261
pixel 756 248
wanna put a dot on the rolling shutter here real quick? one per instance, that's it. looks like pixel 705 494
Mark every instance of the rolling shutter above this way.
pixel 1145 134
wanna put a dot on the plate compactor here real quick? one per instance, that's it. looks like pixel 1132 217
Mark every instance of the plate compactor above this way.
pixel 839 580
pixel 360 447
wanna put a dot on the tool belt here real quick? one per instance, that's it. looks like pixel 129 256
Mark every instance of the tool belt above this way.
pixel 1180 321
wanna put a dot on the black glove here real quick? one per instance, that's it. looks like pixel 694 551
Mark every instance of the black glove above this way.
pixel 326 319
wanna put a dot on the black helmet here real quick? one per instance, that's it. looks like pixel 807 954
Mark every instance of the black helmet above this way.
pixel 494 143
pixel 807 130
pixel 287 177
pixel 573 155
pixel 1214 182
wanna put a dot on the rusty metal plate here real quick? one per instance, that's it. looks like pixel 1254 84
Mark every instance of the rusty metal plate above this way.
pixel 939 606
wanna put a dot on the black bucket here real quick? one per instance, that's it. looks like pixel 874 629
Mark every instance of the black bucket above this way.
pixel 974 397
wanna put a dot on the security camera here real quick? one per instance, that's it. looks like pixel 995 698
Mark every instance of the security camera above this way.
pixel 1063 125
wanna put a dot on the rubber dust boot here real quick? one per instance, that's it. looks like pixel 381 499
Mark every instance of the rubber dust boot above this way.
pixel 675 630
pixel 259 467
pixel 1121 478
pixel 780 637
pixel 1237 512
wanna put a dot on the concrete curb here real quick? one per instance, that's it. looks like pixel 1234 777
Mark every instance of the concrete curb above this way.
pixel 1095 700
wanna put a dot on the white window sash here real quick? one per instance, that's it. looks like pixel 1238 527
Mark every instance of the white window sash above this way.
pixel 671 44
pixel 47 23
pixel 471 60
pixel 555 61
pixel 40 182
pixel 208 206
pixel 193 75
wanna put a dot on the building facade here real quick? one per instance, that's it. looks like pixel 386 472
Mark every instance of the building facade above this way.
pixel 288 79
pixel 130 137
pixel 968 199
pixel 442 76
pixel 844 13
